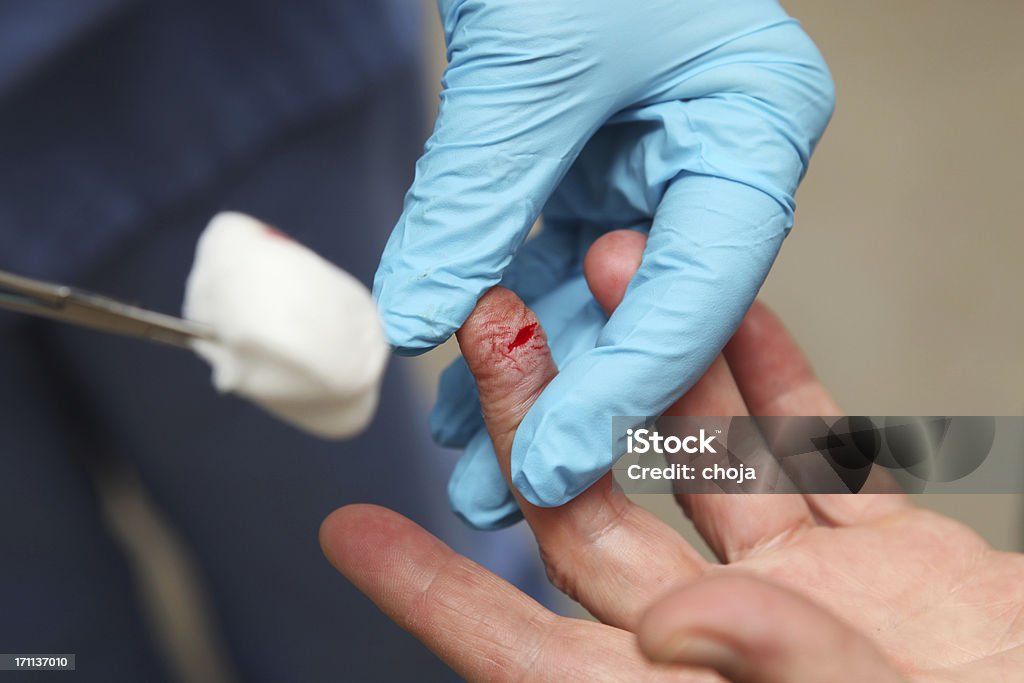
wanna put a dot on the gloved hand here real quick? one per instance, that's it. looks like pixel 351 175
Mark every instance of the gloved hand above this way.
pixel 693 119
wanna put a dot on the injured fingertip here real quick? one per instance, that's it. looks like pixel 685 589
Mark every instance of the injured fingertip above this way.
pixel 506 350
pixel 499 325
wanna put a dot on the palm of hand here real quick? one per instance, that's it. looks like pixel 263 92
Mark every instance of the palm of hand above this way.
pixel 811 588
pixel 932 595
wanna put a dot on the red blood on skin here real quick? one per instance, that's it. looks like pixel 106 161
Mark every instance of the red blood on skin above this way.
pixel 525 335
pixel 274 232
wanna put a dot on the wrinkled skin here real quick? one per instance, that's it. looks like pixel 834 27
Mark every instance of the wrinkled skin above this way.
pixel 811 588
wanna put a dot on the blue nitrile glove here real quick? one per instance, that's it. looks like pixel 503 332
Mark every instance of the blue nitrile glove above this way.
pixel 694 119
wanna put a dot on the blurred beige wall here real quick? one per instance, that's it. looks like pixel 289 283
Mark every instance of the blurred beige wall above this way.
pixel 902 277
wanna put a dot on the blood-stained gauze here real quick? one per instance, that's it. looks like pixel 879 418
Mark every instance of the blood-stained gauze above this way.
pixel 293 333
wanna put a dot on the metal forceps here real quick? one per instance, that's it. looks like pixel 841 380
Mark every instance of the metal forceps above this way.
pixel 87 309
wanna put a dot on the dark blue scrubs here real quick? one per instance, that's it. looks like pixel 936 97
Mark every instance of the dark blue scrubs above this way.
pixel 124 125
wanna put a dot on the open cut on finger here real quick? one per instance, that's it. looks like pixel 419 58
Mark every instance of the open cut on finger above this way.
pixel 611 555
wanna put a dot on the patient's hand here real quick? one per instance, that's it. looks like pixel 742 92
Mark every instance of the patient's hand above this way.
pixel 811 589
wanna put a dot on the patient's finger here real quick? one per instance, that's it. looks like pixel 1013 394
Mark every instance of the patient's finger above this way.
pixel 481 626
pixel 771 371
pixel 609 554
pixel 752 631
pixel 610 264
pixel 735 525
pixel 732 524
pixel 776 378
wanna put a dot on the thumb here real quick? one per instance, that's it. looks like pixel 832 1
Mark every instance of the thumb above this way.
pixel 752 631
pixel 514 115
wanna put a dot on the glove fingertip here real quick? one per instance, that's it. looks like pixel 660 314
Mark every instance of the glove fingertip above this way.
pixel 484 514
pixel 552 462
pixel 443 432
pixel 410 337
pixel 541 491
pixel 414 321
pixel 490 520
pixel 413 351
pixel 456 415
pixel 477 492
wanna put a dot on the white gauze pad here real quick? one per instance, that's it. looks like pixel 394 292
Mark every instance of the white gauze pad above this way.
pixel 294 333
